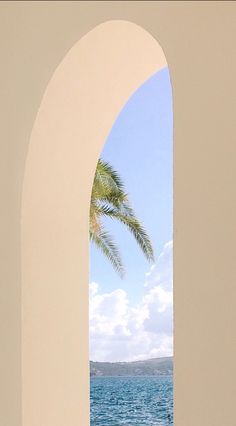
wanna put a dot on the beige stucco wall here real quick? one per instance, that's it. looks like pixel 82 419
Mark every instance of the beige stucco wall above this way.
pixel 80 105
pixel 198 41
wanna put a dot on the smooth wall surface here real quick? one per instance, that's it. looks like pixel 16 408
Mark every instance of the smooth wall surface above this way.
pixel 198 39
pixel 81 103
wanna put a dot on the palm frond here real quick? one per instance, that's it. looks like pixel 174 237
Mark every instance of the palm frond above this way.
pixel 106 172
pixel 104 242
pixel 109 199
pixel 127 216
pixel 107 185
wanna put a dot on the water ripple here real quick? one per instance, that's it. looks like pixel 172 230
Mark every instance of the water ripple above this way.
pixel 131 401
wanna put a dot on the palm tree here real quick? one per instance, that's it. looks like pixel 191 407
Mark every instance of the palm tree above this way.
pixel 109 199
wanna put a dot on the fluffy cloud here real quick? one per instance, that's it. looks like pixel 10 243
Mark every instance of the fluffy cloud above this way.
pixel 122 332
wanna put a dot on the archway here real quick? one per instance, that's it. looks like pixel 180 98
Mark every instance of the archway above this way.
pixel 131 266
pixel 82 100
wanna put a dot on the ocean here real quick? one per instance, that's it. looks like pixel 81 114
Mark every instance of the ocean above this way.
pixel 131 401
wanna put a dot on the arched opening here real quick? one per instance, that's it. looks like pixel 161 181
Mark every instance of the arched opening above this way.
pixel 81 102
pixel 131 290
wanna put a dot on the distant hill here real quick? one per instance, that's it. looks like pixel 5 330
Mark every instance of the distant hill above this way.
pixel 149 367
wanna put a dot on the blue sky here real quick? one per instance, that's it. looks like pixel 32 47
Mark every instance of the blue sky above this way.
pixel 139 147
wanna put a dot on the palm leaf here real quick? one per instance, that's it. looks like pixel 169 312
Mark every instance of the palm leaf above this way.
pixel 104 242
pixel 109 199
pixel 127 217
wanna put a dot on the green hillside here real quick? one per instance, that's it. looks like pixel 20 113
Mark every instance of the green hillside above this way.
pixel 150 367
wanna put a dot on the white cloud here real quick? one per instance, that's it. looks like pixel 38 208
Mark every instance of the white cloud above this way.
pixel 122 332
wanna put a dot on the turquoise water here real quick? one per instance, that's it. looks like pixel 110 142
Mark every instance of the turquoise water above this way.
pixel 131 401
